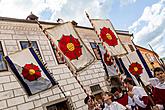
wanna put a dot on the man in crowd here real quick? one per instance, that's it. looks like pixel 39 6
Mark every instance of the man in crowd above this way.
pixel 160 74
pixel 137 94
pixel 159 90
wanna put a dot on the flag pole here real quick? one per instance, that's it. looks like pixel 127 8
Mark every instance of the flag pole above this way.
pixel 53 44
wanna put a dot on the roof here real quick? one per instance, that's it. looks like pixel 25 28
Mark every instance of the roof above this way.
pixel 24 20
pixel 147 50
pixel 53 23
pixel 122 32
pixel 32 21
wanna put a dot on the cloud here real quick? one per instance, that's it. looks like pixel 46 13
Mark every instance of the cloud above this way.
pixel 149 28
pixel 75 10
pixel 22 8
pixel 65 9
pixel 126 2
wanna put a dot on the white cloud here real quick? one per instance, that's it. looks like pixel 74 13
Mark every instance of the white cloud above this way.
pixel 75 10
pixel 22 8
pixel 126 2
pixel 65 9
pixel 149 28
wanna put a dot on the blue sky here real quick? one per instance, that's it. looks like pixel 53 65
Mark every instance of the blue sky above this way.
pixel 144 18
pixel 123 15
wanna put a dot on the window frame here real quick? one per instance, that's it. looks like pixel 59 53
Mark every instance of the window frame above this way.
pixel 91 43
pixel 39 50
pixel 3 52
pixel 131 47
pixel 59 101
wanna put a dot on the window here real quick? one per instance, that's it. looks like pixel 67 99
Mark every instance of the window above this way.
pixel 150 58
pixel 95 50
pixel 58 55
pixel 25 44
pixel 95 88
pixel 131 48
pixel 96 91
pixel 59 106
pixel 3 65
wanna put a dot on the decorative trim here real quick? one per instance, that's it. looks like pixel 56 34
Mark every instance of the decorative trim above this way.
pixel 18 26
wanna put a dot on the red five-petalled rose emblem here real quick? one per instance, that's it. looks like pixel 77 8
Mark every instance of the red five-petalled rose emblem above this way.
pixel 135 69
pixel 108 36
pixel 70 46
pixel 108 59
pixel 31 72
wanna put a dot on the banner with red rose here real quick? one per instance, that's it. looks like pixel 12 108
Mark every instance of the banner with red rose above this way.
pixel 30 71
pixel 134 65
pixel 107 34
pixel 107 60
pixel 69 43
pixel 135 69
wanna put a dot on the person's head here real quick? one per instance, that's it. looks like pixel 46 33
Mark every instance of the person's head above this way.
pixel 116 91
pixel 116 81
pixel 100 101
pixel 89 100
pixel 128 83
pixel 159 73
pixel 107 97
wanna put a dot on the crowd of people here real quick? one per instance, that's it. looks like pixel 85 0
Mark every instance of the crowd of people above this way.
pixel 132 97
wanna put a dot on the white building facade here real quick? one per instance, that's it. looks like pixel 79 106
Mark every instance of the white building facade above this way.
pixel 14 36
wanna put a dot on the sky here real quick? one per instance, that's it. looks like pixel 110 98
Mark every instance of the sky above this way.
pixel 144 18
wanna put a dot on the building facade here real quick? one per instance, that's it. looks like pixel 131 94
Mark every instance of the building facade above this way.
pixel 14 36
pixel 126 39
pixel 151 58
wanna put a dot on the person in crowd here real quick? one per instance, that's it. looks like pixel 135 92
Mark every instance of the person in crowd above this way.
pixel 110 104
pixel 154 81
pixel 137 94
pixel 160 74
pixel 90 101
pixel 123 98
pixel 101 103
pixel 159 90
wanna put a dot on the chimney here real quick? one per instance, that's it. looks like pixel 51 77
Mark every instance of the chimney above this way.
pixel 59 20
pixel 32 17
pixel 74 23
